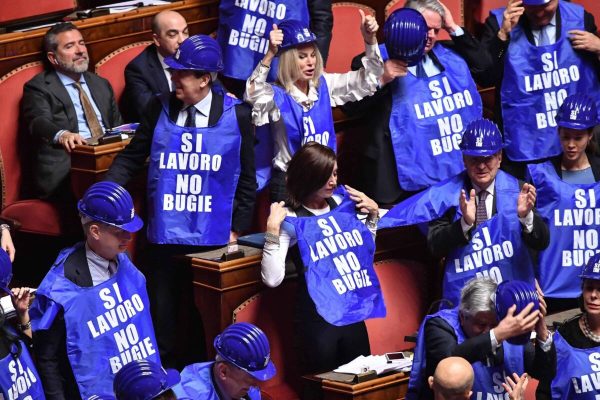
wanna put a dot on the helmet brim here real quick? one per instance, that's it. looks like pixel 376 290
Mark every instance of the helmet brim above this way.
pixel 575 125
pixel 480 153
pixel 173 64
pixel 283 48
pixel 264 374
pixel 595 277
pixel 173 378
pixel 132 226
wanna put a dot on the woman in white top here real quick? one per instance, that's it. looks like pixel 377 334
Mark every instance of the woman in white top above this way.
pixel 311 180
pixel 298 105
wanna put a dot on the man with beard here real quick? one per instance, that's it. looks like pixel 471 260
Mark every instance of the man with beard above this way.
pixel 64 106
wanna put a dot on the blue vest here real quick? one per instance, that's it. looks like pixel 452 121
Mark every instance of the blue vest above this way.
pixel 572 216
pixel 244 27
pixel 314 125
pixel 487 379
pixel 107 325
pixel 264 151
pixel 427 120
pixel 197 383
pixel 337 251
pixel 192 179
pixel 19 380
pixel 576 371
pixel 536 81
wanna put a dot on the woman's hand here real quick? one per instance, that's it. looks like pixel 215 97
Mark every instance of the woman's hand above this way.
pixel 363 202
pixel 368 27
pixel 7 244
pixel 276 217
pixel 21 298
pixel 275 40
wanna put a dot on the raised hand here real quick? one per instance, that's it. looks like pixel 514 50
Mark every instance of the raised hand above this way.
pixel 368 27
pixel 526 200
pixel 468 208
pixel 510 18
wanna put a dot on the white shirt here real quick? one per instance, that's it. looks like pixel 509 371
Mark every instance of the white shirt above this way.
pixel 350 86
pixel 166 70
pixel 550 31
pixel 99 266
pixel 272 266
pixel 202 112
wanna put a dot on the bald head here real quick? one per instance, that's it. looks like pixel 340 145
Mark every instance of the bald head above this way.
pixel 169 30
pixel 452 380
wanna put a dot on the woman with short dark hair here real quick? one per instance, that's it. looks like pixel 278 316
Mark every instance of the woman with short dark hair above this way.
pixel 333 253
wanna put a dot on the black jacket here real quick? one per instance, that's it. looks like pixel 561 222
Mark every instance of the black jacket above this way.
pixel 132 159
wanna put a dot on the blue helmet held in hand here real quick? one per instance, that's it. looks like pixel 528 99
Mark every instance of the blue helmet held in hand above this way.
pixel 143 380
pixel 111 204
pixel 246 346
pixel 295 33
pixel 405 33
pixel 197 53
pixel 577 111
pixel 519 293
pixel 481 138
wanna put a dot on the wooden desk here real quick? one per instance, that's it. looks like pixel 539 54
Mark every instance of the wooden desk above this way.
pixel 90 163
pixel 390 387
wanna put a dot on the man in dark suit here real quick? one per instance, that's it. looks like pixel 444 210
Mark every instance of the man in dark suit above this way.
pixel 147 75
pixel 77 353
pixel 64 106
pixel 204 205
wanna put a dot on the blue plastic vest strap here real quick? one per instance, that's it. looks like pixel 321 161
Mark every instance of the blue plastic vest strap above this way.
pixel 19 380
pixel 197 383
pixel 192 179
pixel 428 118
pixel 244 27
pixel 536 81
pixel 337 251
pixel 487 379
pixel 573 218
pixel 107 325
pixel 314 125
pixel 576 371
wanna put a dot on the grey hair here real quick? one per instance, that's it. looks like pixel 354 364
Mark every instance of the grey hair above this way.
pixel 422 5
pixel 478 295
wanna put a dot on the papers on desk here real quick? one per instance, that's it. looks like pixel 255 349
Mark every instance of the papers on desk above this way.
pixel 379 364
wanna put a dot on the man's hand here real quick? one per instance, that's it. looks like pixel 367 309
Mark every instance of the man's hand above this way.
pixel 583 40
pixel 68 140
pixel 448 23
pixel 541 329
pixel 393 69
pixel 526 200
pixel 510 18
pixel 368 27
pixel 515 325
pixel 468 208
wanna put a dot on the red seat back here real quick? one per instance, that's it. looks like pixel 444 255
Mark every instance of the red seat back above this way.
pixel 271 310
pixel 591 6
pixel 15 10
pixel 456 7
pixel 404 285
pixel 347 41
pixel 112 67
pixel 482 8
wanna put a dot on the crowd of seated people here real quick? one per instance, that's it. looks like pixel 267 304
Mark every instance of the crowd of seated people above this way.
pixel 509 205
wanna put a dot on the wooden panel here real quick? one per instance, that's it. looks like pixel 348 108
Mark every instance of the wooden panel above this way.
pixel 15 10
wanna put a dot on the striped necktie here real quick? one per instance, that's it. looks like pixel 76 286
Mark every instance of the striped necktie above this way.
pixel 481 212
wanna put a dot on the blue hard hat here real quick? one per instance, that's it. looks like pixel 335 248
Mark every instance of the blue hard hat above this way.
pixel 295 33
pixel 591 270
pixel 481 138
pixel 143 380
pixel 111 204
pixel 5 271
pixel 101 397
pixel 405 33
pixel 535 2
pixel 197 53
pixel 519 293
pixel 577 111
pixel 246 346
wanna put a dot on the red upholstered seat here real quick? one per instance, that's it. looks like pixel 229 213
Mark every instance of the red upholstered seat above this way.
pixel 482 8
pixel 15 10
pixel 346 41
pixel 271 310
pixel 404 285
pixel 455 6
pixel 531 387
pixel 35 216
pixel 112 67
pixel 592 6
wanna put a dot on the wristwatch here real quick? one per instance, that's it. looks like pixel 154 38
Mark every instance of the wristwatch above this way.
pixel 4 227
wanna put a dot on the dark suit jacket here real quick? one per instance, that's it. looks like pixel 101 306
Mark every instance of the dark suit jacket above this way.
pixel 50 346
pixel 133 157
pixel 441 342
pixel 496 51
pixel 144 78
pixel 47 109
pixel 378 176
pixel 321 24
pixel 445 234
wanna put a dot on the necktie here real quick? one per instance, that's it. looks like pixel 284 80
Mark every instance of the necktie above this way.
pixel 112 268
pixel 481 214
pixel 421 69
pixel 544 39
pixel 190 121
pixel 88 110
